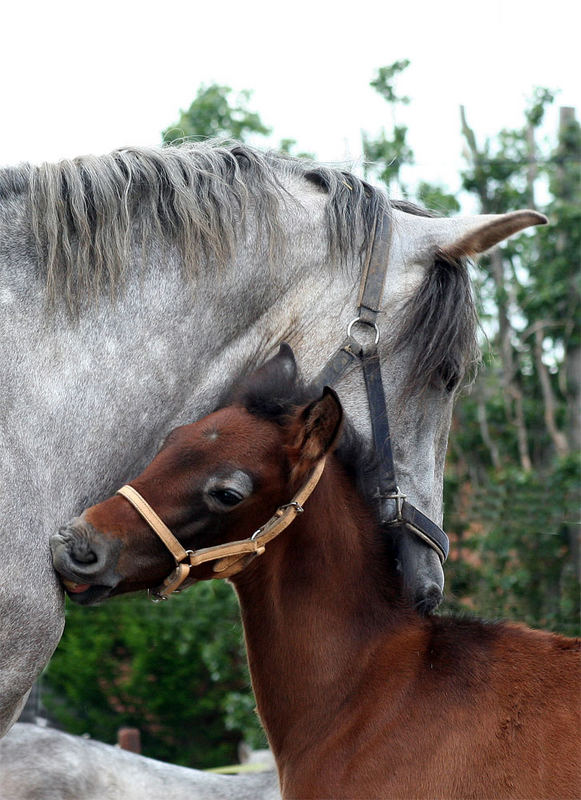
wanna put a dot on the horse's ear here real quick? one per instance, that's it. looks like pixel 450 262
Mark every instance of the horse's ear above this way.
pixel 488 230
pixel 457 237
pixel 313 433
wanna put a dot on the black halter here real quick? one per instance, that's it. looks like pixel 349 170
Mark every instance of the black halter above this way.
pixel 393 505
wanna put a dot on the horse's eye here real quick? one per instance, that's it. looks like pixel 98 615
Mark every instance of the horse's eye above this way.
pixel 227 497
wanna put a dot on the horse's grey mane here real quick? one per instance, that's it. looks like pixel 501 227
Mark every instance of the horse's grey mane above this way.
pixel 88 212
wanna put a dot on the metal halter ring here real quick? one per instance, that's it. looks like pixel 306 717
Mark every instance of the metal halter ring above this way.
pixel 364 322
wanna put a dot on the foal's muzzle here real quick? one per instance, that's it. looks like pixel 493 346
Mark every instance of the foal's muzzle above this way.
pixel 85 560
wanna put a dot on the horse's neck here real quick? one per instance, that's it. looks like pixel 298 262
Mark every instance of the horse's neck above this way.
pixel 153 359
pixel 316 607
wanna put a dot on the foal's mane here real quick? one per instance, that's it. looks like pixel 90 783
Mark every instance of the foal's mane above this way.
pixel 89 212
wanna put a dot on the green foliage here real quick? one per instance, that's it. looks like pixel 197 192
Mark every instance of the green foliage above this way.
pixel 540 99
pixel 513 477
pixel 176 670
pixel 289 145
pixel 514 545
pixel 215 112
pixel 556 291
pixel 436 198
pixel 384 82
pixel 385 156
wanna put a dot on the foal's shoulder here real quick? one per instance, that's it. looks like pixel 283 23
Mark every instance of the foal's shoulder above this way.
pixel 517 637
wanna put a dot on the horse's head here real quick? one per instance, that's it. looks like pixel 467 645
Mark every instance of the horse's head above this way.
pixel 213 482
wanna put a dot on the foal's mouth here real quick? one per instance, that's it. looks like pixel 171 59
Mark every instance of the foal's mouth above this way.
pixel 75 588
pixel 86 594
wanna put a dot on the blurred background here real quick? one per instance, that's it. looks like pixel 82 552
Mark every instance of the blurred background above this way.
pixel 457 108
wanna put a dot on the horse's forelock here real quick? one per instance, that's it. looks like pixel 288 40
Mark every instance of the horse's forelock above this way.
pixel 439 328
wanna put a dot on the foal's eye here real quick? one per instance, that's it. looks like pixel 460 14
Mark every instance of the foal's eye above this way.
pixel 224 490
pixel 227 497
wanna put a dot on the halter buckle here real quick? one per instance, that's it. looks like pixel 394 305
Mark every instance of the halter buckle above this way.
pixel 297 506
pixel 399 498
pixel 155 597
pixel 278 513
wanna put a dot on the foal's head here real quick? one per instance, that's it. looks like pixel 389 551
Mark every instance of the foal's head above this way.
pixel 215 481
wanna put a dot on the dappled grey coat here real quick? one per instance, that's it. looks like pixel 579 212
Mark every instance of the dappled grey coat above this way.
pixel 44 764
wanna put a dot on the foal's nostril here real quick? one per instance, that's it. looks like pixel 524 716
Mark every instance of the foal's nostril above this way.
pixel 83 554
pixel 84 558
pixel 79 546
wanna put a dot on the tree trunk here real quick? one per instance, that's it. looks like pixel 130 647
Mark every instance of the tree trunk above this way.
pixel 558 439
pixel 513 397
pixel 511 390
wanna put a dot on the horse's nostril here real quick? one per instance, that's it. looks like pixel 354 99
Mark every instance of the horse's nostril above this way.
pixel 429 600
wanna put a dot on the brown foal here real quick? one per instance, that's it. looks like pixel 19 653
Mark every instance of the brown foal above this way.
pixel 361 697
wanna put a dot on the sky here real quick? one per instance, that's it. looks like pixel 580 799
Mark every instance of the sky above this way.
pixel 82 78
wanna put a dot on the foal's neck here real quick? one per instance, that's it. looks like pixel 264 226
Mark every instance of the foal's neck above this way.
pixel 315 608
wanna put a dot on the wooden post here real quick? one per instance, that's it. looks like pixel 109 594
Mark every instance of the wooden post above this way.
pixel 129 739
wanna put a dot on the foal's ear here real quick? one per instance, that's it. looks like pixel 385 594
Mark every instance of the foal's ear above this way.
pixel 266 391
pixel 313 433
pixel 282 365
pixel 279 370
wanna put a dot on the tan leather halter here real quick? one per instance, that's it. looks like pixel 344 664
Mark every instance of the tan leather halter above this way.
pixel 231 557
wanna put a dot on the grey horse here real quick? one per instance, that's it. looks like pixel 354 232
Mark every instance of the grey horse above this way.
pixel 43 764
pixel 133 284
